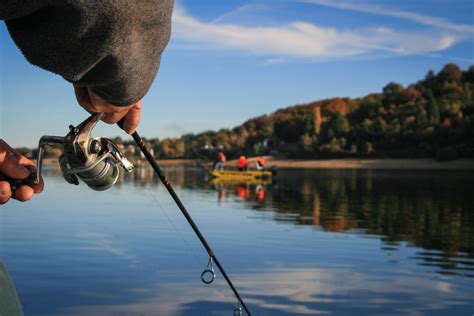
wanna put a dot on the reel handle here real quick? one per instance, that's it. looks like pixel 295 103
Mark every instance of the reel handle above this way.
pixel 54 141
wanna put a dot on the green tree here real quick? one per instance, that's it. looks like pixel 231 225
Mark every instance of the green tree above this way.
pixel 469 75
pixel 340 125
pixel 433 109
pixel 430 75
pixel 378 127
pixel 421 117
pixel 392 92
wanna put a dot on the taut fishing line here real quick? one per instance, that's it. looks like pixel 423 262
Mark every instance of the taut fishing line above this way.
pixel 195 255
pixel 197 258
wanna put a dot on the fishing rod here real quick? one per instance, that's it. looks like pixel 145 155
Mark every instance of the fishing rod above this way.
pixel 96 162
pixel 209 271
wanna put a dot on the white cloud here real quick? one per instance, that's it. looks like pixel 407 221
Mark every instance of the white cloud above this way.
pixel 240 11
pixel 305 40
pixel 274 61
pixel 393 12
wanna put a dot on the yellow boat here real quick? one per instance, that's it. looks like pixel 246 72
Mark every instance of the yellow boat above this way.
pixel 240 175
pixel 235 181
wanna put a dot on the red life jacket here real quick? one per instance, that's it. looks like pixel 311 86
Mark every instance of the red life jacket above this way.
pixel 242 162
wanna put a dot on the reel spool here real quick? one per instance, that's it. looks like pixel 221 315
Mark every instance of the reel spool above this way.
pixel 93 160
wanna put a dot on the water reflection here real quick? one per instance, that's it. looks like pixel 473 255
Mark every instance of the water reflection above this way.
pixel 304 291
pixel 434 211
pixel 309 242
pixel 431 210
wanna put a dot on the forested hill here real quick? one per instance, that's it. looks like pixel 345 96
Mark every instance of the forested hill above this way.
pixel 432 117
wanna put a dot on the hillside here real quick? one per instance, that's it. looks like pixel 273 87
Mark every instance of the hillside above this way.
pixel 433 117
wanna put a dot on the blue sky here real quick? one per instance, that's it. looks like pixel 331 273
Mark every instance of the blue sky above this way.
pixel 232 60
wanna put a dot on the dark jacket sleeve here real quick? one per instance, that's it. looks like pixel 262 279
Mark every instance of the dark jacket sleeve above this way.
pixel 111 46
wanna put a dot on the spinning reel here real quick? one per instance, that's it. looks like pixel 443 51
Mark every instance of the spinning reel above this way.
pixel 93 160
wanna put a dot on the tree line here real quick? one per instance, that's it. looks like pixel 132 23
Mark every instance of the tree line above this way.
pixel 433 117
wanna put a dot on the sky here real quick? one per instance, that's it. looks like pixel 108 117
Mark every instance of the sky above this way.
pixel 228 61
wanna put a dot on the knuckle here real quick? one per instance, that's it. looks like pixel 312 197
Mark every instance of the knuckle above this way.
pixel 7 157
pixel 138 105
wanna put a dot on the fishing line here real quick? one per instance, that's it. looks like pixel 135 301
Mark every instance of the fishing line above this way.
pixel 209 270
pixel 194 253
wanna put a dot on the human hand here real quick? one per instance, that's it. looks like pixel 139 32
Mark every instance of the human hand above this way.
pixel 92 103
pixel 14 167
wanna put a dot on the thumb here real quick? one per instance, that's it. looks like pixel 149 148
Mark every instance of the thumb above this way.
pixel 132 119
pixel 11 167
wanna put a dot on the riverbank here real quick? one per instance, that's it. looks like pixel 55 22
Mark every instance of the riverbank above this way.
pixel 371 164
pixel 379 164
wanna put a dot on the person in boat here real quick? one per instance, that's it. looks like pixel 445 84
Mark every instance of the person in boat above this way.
pixel 260 164
pixel 220 162
pixel 260 193
pixel 242 163
pixel 108 50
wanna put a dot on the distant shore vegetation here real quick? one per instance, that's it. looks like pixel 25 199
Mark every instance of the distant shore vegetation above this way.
pixel 431 118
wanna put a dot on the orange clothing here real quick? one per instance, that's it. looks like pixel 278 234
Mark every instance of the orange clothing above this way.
pixel 221 157
pixel 260 194
pixel 242 162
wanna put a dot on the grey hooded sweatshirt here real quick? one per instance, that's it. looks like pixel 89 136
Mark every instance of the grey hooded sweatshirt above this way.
pixel 111 46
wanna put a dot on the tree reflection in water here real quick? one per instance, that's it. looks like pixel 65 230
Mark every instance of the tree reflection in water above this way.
pixel 431 210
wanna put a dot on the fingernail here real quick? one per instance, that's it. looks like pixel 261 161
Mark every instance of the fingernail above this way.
pixel 3 192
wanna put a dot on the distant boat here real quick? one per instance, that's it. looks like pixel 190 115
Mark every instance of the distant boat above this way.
pixel 251 181
pixel 241 175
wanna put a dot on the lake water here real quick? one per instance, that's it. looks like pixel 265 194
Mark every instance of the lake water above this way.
pixel 312 242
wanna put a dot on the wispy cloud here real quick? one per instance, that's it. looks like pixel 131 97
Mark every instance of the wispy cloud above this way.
pixel 422 19
pixel 306 40
pixel 240 11
pixel 274 61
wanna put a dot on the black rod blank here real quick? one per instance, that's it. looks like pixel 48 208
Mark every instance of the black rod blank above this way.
pixel 141 144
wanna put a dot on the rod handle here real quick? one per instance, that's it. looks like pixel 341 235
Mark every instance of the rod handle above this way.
pixel 121 123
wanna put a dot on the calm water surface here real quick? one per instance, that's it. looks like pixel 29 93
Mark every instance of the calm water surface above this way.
pixel 312 242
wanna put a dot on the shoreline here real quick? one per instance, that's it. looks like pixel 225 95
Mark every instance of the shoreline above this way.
pixel 375 164
pixel 368 164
